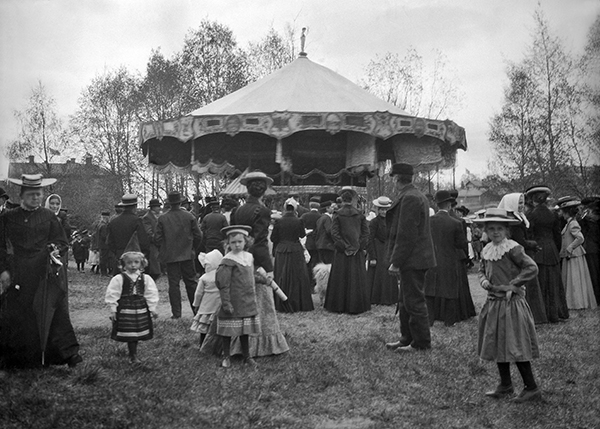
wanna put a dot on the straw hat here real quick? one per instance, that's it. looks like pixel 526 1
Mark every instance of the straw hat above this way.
pixel 32 181
pixel 383 202
pixel 537 188
pixel 129 200
pixel 565 202
pixel 497 215
pixel 237 229
pixel 255 175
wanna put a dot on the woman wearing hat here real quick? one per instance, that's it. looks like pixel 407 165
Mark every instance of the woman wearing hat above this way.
pixel 506 327
pixel 383 287
pixel 575 272
pixel 545 231
pixel 291 271
pixel 35 328
pixel 347 286
pixel 515 203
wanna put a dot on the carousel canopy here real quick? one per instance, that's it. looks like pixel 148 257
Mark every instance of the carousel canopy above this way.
pixel 302 125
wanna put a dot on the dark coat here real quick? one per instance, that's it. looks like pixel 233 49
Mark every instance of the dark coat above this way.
pixel 310 222
pixel 545 230
pixel 448 238
pixel 410 243
pixel 323 238
pixel 287 233
pixel 211 227
pixel 349 230
pixel 150 221
pixel 236 286
pixel 258 216
pixel 120 231
pixel 177 236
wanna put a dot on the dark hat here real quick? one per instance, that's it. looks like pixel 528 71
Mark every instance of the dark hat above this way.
pixel 154 203
pixel 401 168
pixel 537 188
pixel 315 199
pixel 212 201
pixel 585 201
pixel 4 194
pixel 565 202
pixel 105 213
pixel 129 200
pixel 32 181
pixel 464 210
pixel 174 197
pixel 453 193
pixel 443 196
pixel 255 175
pixel 497 215
pixel 237 229
pixel 326 203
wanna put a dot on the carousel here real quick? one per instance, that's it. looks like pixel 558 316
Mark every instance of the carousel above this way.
pixel 304 126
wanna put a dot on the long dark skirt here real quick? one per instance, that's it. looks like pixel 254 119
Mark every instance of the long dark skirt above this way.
pixel 134 322
pixel 593 261
pixel 536 301
pixel 451 311
pixel 553 292
pixel 347 286
pixel 20 310
pixel 291 274
pixel 383 287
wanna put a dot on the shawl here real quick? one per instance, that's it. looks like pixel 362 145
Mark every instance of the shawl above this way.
pixel 47 203
pixel 510 202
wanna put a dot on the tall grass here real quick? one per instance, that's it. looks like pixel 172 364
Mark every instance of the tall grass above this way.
pixel 338 374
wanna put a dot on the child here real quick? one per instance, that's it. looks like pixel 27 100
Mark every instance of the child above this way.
pixel 132 296
pixel 235 280
pixel 506 328
pixel 207 298
pixel 575 271
pixel 79 252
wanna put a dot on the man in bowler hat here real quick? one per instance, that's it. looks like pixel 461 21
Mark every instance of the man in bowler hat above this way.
pixel 178 238
pixel 411 255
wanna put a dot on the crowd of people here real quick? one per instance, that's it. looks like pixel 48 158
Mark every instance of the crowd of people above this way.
pixel 242 264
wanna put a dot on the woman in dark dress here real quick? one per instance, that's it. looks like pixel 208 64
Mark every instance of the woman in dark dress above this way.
pixel 291 271
pixel 545 231
pixel 33 310
pixel 515 203
pixel 590 228
pixel 347 286
pixel 383 287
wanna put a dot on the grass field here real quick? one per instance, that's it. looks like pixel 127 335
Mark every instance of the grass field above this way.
pixel 337 374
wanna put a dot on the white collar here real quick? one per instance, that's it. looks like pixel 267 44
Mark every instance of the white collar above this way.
pixel 243 258
pixel 493 252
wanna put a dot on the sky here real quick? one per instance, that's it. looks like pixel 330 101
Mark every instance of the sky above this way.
pixel 66 43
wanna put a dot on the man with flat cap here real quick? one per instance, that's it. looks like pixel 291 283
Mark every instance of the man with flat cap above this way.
pixel 411 255
pixel 178 238
pixel 150 220
pixel 122 227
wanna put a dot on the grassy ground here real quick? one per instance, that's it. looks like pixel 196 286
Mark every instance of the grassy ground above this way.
pixel 338 374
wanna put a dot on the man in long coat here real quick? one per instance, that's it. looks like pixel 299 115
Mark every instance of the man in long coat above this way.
pixel 211 227
pixel 150 220
pixel 122 227
pixel 178 237
pixel 310 223
pixel 411 255
pixel 443 280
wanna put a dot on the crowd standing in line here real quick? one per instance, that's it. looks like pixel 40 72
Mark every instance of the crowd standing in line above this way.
pixel 535 267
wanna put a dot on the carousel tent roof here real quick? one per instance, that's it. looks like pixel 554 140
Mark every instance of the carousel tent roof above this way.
pixel 301 86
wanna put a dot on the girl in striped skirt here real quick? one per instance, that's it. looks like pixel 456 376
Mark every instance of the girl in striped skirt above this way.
pixel 132 296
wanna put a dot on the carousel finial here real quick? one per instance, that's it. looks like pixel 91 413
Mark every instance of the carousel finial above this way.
pixel 302 40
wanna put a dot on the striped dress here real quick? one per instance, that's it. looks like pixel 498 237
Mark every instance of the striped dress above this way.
pixel 133 299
